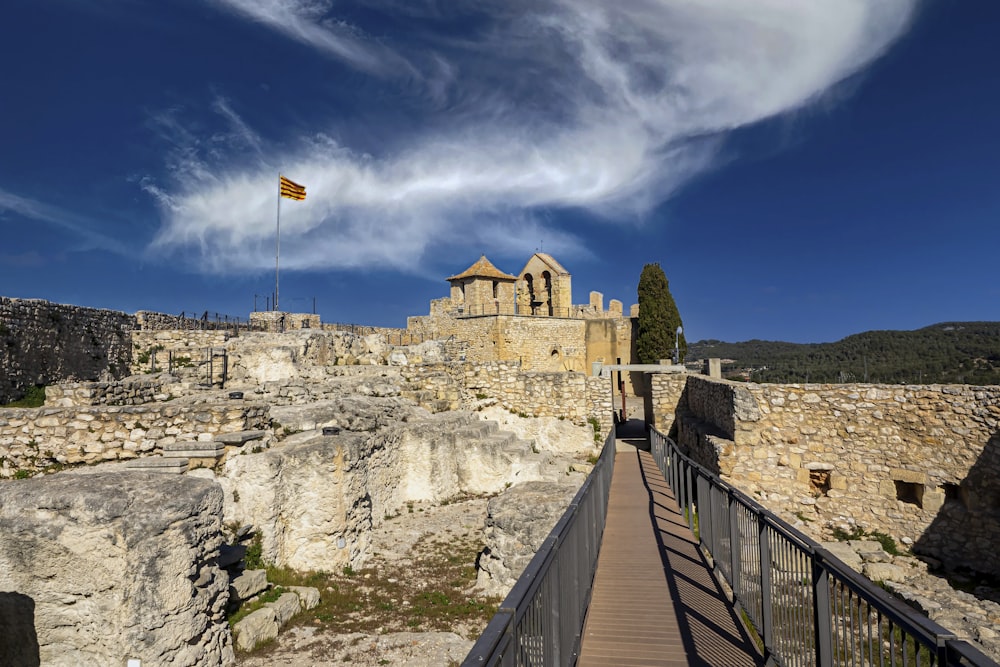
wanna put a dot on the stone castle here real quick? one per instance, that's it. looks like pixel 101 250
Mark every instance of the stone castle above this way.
pixel 529 318
pixel 918 462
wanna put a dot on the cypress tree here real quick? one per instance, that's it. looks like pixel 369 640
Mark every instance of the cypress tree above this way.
pixel 658 318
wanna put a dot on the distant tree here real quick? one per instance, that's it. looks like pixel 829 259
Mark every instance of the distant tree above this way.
pixel 658 318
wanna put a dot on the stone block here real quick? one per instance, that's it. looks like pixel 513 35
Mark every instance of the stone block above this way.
pixel 884 572
pixel 911 476
pixel 844 552
pixel 308 596
pixel 256 628
pixel 286 606
pixel 838 482
pixel 248 584
pixel 158 464
pixel 239 438
pixel 933 499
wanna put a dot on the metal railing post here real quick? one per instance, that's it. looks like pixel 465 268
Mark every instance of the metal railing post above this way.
pixel 822 619
pixel 766 610
pixel 734 545
pixel 687 497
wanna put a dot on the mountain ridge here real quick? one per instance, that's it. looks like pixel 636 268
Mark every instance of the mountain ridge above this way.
pixel 942 353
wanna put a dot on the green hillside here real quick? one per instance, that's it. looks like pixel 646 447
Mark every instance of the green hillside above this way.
pixel 946 353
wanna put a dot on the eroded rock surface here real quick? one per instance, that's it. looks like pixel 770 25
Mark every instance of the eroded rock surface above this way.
pixel 517 523
pixel 100 568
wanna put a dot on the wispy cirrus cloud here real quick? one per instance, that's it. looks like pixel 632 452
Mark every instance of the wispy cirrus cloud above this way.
pixel 558 105
pixel 311 22
pixel 83 228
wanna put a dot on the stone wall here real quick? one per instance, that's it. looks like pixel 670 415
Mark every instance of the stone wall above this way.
pixel 152 349
pixel 34 439
pixel 537 343
pixel 662 400
pixel 108 567
pixel 920 462
pixel 455 386
pixel 42 343
pixel 133 390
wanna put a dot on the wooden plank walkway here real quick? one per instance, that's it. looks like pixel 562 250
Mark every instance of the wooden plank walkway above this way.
pixel 655 601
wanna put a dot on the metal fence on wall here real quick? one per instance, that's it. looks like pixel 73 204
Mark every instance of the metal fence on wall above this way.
pixel 540 622
pixel 805 605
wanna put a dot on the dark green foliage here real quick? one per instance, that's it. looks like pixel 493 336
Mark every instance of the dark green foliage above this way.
pixel 947 353
pixel 34 397
pixel 658 318
pixel 253 559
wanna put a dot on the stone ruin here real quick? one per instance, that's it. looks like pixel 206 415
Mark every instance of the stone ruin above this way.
pixel 115 547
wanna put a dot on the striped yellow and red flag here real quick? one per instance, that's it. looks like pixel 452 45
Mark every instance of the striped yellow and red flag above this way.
pixel 291 190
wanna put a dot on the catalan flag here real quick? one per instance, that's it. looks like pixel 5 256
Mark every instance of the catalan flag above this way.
pixel 291 190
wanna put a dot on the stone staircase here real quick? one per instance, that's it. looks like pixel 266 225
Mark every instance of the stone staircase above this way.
pixel 179 457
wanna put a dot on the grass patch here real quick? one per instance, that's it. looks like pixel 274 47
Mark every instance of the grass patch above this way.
pixel 247 608
pixel 857 533
pixel 34 397
pixel 431 593
pixel 254 559
pixel 596 425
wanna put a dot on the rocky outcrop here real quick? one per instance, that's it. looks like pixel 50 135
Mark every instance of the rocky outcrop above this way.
pixel 517 524
pixel 308 499
pixel 315 498
pixel 103 567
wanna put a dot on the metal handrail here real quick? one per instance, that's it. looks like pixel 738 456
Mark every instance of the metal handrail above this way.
pixel 540 622
pixel 806 606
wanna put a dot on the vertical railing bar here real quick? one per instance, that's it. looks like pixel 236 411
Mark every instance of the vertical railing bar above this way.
pixel 821 609
pixel 766 594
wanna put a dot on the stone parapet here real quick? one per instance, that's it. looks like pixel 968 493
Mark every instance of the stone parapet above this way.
pixel 917 461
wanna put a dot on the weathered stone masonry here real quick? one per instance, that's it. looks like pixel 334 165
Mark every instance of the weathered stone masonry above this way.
pixel 42 343
pixel 453 386
pixel 915 461
pixel 33 439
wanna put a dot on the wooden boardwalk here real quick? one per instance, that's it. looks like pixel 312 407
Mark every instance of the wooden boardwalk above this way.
pixel 655 602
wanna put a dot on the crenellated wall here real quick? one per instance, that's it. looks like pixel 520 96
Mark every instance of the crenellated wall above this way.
pixel 42 343
pixel 920 462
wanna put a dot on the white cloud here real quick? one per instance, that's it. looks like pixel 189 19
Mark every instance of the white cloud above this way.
pixel 567 104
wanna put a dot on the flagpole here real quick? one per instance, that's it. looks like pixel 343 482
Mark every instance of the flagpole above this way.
pixel 277 244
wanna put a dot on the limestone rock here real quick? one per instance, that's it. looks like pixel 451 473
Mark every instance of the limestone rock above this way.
pixel 307 500
pixel 844 552
pixel 352 413
pixel 548 433
pixel 256 627
pixel 114 565
pixel 248 584
pixel 308 596
pixel 286 606
pixel 518 521
pixel 883 572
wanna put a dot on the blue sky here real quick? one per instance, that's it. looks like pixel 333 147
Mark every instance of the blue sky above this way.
pixel 802 171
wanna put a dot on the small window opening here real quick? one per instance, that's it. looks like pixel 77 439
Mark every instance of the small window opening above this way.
pixel 953 494
pixel 305 324
pixel 819 482
pixel 910 492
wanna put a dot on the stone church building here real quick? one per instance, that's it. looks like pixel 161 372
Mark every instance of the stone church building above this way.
pixel 529 317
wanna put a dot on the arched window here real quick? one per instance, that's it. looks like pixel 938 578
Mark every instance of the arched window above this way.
pixel 547 296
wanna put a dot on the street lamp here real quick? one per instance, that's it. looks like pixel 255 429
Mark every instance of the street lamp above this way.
pixel 677 345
